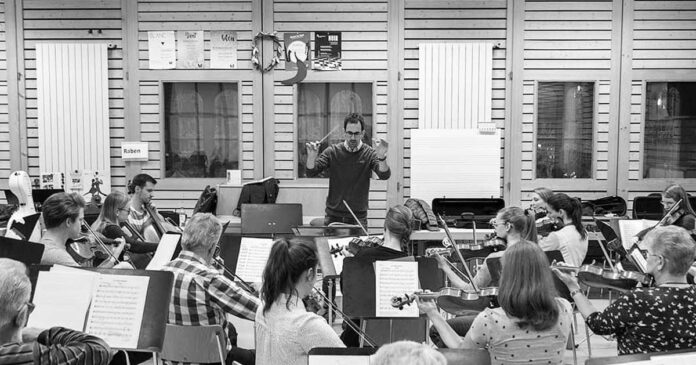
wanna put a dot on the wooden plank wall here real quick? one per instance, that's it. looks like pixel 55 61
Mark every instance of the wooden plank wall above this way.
pixel 664 49
pixel 562 41
pixel 71 21
pixel 431 21
pixel 158 15
pixel 363 24
pixel 5 168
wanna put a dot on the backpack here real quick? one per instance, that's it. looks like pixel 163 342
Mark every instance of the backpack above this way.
pixel 207 202
pixel 423 213
pixel 257 192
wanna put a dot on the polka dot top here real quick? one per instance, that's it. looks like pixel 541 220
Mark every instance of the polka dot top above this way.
pixel 507 343
pixel 649 320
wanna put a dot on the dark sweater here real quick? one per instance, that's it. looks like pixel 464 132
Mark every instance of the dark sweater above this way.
pixel 349 178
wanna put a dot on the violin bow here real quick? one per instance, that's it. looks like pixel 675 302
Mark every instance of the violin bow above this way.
pixel 456 249
pixel 101 243
pixel 355 217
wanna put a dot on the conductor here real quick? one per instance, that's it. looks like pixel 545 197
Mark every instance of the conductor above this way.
pixel 350 164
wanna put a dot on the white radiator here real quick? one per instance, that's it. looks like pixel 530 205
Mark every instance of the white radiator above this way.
pixel 73 107
pixel 455 85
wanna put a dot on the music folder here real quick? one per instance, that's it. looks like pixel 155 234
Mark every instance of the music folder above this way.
pixel 127 308
pixel 24 230
pixel 26 252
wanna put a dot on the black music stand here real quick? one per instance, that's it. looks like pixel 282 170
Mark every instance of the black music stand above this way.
pixel 25 229
pixel 267 220
pixel 28 253
pixel 347 230
pixel 359 300
pixel 156 311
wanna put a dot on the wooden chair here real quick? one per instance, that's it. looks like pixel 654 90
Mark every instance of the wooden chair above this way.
pixel 194 344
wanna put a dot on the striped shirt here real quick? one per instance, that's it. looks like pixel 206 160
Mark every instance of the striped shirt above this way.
pixel 137 219
pixel 55 346
pixel 203 296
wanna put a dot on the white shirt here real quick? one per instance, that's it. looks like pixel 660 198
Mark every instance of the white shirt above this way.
pixel 567 240
pixel 285 335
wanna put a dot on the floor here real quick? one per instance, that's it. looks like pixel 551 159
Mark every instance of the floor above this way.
pixel 601 347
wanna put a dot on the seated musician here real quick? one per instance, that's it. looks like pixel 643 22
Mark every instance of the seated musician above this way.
pixel 539 198
pixel 650 319
pixel 202 295
pixel 141 190
pixel 397 233
pixel 512 224
pixel 285 331
pixel 571 240
pixel 685 216
pixel 114 212
pixel 63 215
pixel 20 345
pixel 531 325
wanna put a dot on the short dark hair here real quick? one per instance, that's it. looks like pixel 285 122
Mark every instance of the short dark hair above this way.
pixel 140 180
pixel 61 206
pixel 354 118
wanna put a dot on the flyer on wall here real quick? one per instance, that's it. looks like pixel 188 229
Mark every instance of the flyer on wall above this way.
pixel 189 50
pixel 223 49
pixel 161 50
pixel 296 48
pixel 327 51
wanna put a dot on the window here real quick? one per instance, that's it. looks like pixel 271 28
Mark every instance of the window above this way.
pixel 321 110
pixel 669 150
pixel 564 130
pixel 201 128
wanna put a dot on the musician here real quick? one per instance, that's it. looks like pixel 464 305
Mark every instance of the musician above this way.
pixel 285 331
pixel 397 233
pixel 114 212
pixel 55 346
pixel 531 325
pixel 350 164
pixel 650 319
pixel 571 240
pixel 539 198
pixel 142 189
pixel 63 215
pixel 512 224
pixel 204 296
pixel 685 216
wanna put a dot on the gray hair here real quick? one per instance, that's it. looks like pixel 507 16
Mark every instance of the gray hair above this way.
pixel 15 289
pixel 408 352
pixel 675 244
pixel 202 231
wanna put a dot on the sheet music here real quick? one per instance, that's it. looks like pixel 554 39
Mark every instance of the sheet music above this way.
pixel 339 359
pixel 629 228
pixel 253 255
pixel 165 251
pixel 117 309
pixel 62 298
pixel 395 278
pixel 675 359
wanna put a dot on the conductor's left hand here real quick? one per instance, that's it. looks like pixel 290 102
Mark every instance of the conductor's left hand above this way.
pixel 381 147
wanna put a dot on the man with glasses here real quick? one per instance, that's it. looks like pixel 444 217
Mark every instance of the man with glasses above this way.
pixel 202 295
pixel 20 345
pixel 350 164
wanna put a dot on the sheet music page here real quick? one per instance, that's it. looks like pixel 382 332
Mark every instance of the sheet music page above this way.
pixel 165 251
pixel 629 228
pixel 339 359
pixel 253 255
pixel 117 309
pixel 675 359
pixel 395 278
pixel 62 298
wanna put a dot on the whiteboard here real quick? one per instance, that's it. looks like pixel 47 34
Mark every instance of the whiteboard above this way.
pixel 455 163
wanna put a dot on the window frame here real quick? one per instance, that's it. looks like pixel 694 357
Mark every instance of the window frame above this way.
pixel 683 181
pixel 185 183
pixel 567 183
pixel 295 98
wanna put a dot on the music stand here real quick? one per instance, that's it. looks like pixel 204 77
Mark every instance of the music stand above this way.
pixel 28 253
pixel 347 230
pixel 27 228
pixel 267 220
pixel 156 311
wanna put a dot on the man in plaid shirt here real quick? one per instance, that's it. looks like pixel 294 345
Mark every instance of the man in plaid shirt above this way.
pixel 202 295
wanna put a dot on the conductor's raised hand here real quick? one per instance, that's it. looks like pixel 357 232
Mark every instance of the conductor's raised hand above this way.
pixel 312 148
pixel 381 147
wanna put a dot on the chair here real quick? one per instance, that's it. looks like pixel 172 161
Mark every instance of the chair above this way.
pixel 194 344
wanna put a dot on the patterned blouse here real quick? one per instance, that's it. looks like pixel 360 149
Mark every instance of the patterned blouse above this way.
pixel 650 320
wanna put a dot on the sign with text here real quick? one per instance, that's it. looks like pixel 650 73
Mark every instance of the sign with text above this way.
pixel 134 151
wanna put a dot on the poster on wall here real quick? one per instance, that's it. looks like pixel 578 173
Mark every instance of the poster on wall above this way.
pixel 327 51
pixel 52 180
pixel 161 48
pixel 189 49
pixel 223 49
pixel 296 48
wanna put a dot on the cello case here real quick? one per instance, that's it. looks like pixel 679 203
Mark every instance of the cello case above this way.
pixel 20 186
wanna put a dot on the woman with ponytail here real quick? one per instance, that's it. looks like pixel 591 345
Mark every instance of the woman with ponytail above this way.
pixel 285 331
pixel 571 240
pixel 531 325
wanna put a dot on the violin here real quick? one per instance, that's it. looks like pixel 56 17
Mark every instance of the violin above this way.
pixel 673 214
pixel 546 225
pixel 452 300
pixel 596 276
pixel 357 244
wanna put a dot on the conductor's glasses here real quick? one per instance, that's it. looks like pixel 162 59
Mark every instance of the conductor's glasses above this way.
pixel 353 134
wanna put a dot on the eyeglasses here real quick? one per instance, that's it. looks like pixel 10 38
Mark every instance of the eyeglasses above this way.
pixel 354 134
pixel 122 209
pixel 494 222
pixel 30 307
